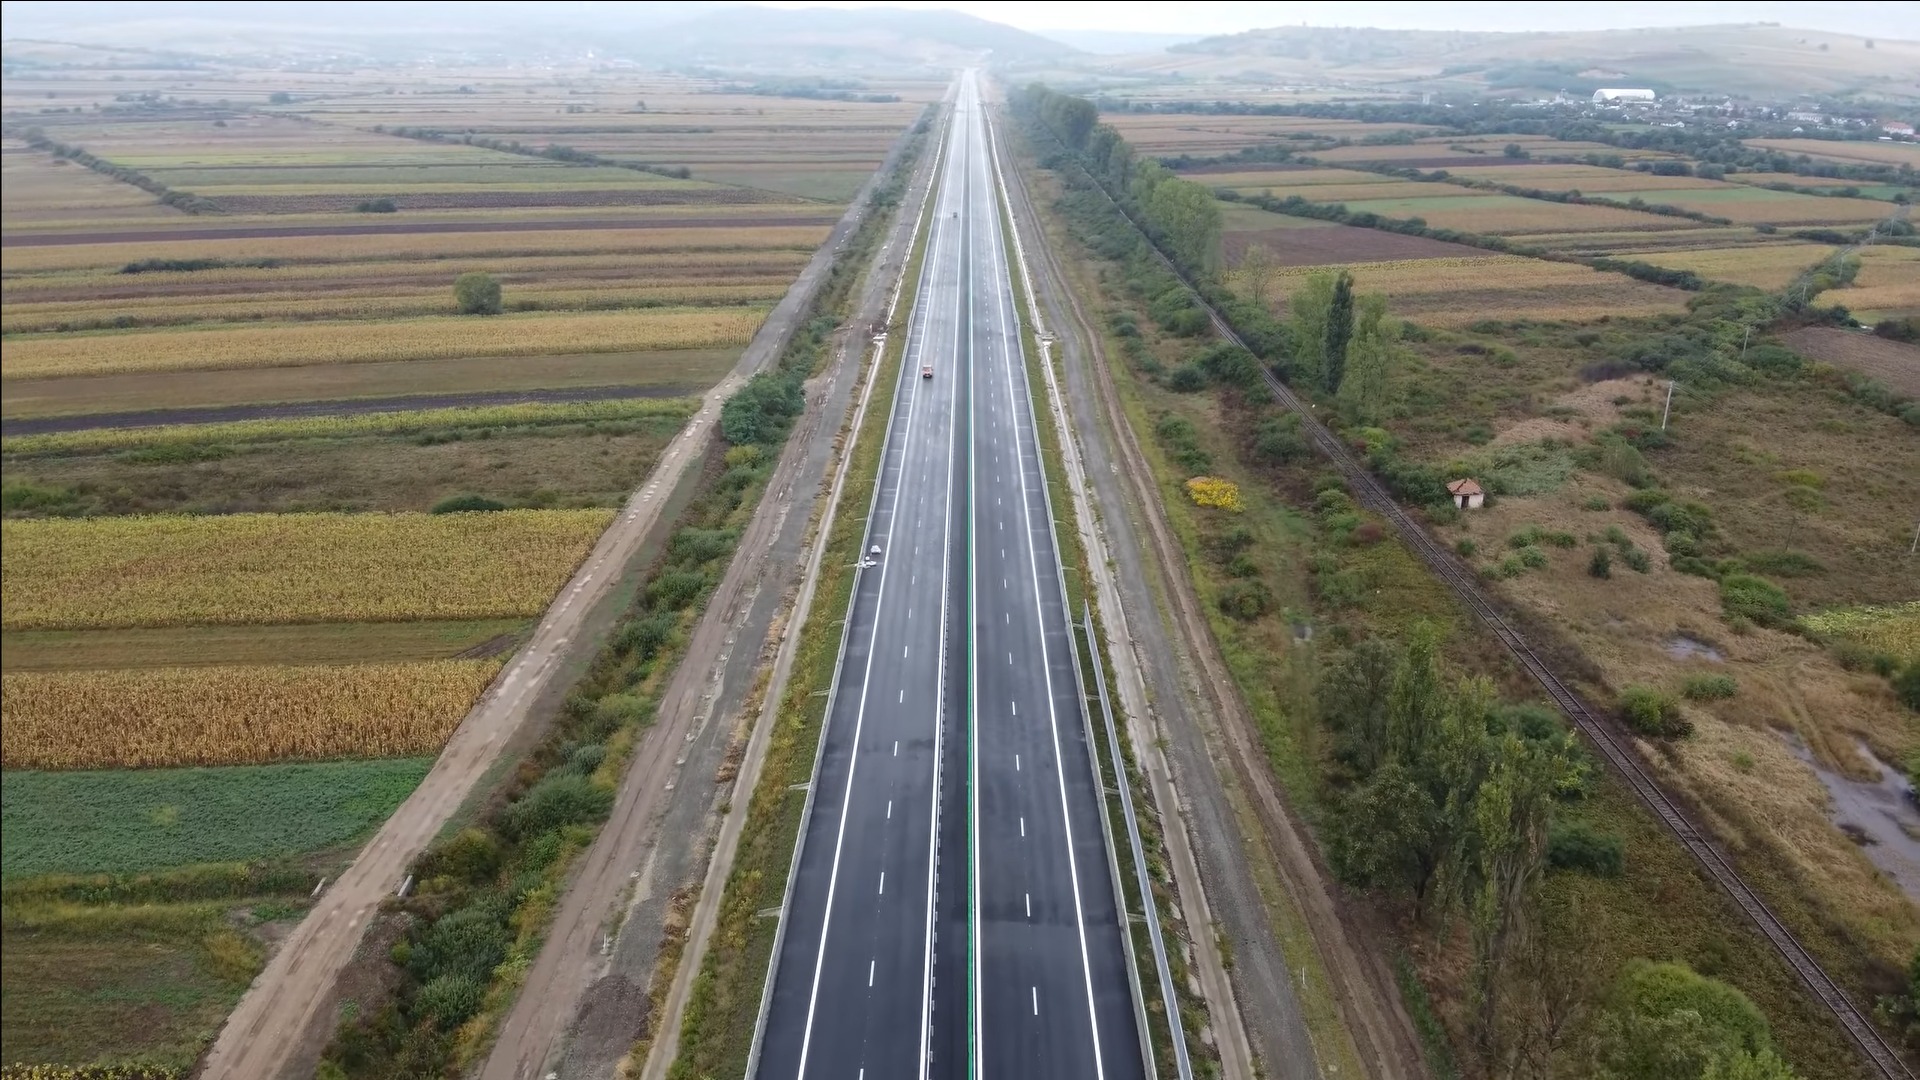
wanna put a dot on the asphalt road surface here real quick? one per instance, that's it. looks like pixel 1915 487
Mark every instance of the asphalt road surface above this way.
pixel 952 912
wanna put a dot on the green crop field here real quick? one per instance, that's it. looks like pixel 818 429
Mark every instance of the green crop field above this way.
pixel 135 821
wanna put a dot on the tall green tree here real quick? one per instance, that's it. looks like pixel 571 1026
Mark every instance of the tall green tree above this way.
pixel 1307 311
pixel 1338 331
pixel 1372 355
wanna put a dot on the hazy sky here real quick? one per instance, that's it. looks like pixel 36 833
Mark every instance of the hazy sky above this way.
pixel 1893 20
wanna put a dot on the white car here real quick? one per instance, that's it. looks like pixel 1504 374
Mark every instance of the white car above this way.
pixel 874 551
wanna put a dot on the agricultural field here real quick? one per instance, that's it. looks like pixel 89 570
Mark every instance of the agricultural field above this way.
pixel 238 629
pixel 1852 153
pixel 1887 286
pixel 1764 266
pixel 1201 135
pixel 1459 290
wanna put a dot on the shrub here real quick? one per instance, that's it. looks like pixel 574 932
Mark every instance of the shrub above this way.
pixel 1755 599
pixel 1651 712
pixel 466 504
pixel 475 293
pixel 1186 379
pixel 1782 563
pixel 1533 558
pixel 450 1000
pixel 1636 560
pixel 376 206
pixel 1709 687
pixel 1278 439
pixel 560 798
pixel 472 856
pixel 1246 600
pixel 1216 493
pixel 1601 565
pixel 1906 686
pixel 1466 547
pixel 1597 502
pixel 1581 848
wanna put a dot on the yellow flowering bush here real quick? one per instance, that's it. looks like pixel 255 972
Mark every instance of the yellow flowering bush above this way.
pixel 1215 492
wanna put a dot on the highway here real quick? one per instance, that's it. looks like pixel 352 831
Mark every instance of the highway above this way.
pixel 952 912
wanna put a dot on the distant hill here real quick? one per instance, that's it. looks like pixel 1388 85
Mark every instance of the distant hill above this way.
pixel 1117 42
pixel 826 40
pixel 820 42
pixel 1753 59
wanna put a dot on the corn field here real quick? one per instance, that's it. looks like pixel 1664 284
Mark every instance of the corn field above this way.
pixel 405 422
pixel 155 717
pixel 443 337
pixel 287 568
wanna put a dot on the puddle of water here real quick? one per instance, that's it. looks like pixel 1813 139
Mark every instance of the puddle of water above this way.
pixel 1880 815
pixel 1682 647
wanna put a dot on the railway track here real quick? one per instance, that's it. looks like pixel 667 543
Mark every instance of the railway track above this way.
pixel 1369 492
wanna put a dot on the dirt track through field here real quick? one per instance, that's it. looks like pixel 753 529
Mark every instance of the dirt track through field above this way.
pixel 348 407
pixel 402 228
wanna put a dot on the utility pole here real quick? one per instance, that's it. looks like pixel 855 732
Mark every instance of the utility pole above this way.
pixel 1668 411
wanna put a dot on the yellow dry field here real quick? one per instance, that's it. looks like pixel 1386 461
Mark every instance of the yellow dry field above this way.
pixel 38 189
pixel 1591 179
pixel 463 247
pixel 1509 215
pixel 441 337
pixel 1759 206
pixel 1764 266
pixel 1463 290
pixel 287 568
pixel 144 718
pixel 1873 153
pixel 374 303
pixel 1347 193
pixel 1888 283
pixel 424 272
pixel 1176 133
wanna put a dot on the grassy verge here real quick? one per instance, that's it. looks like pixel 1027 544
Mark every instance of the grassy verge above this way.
pixel 716 1033
pixel 1264 661
pixel 132 975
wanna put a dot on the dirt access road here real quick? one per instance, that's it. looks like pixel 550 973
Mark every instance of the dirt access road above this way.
pixel 1252 853
pixel 275 1021
pixel 585 1001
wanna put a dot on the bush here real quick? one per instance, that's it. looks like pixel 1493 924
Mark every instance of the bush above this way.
pixel 1782 563
pixel 472 856
pixel 1709 687
pixel 1465 547
pixel 1597 502
pixel 475 293
pixel 675 589
pixel 1755 599
pixel 1581 848
pixel 1533 558
pixel 1246 600
pixel 559 799
pixel 1906 686
pixel 1187 379
pixel 450 1000
pixel 1601 565
pixel 1651 712
pixel 1636 560
pixel 466 504
pixel 376 206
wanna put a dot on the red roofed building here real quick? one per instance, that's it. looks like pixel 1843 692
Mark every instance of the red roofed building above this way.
pixel 1466 494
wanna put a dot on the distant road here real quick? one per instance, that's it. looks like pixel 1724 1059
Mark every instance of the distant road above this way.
pixel 391 228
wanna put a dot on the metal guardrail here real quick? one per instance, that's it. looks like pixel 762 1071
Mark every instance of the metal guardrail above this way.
pixel 1152 910
pixel 1369 492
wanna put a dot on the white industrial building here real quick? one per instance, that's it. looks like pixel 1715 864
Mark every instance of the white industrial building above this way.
pixel 1613 97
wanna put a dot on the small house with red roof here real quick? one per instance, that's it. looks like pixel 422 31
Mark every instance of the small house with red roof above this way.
pixel 1466 494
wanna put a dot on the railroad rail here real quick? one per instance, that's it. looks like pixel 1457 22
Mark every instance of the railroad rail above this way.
pixel 1370 493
